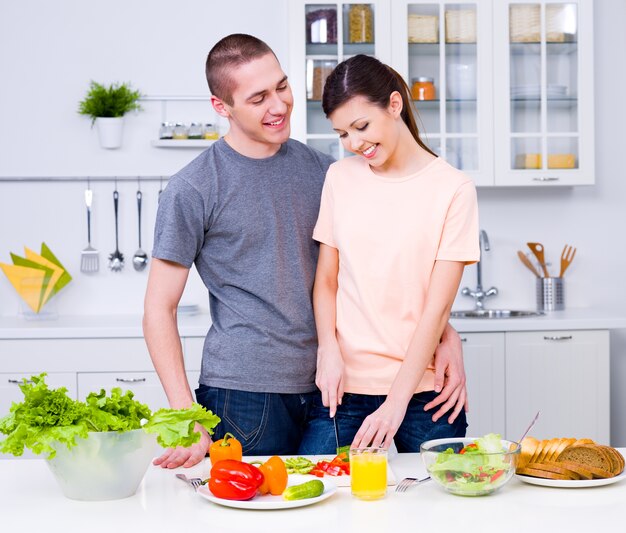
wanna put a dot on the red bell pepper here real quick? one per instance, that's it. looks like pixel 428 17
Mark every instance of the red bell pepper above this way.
pixel 235 480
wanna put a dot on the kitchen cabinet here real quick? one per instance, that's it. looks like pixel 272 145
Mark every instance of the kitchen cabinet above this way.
pixel 483 355
pixel 88 365
pixel 563 374
pixel 513 102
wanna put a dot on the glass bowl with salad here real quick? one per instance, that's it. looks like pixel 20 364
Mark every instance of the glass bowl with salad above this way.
pixel 471 466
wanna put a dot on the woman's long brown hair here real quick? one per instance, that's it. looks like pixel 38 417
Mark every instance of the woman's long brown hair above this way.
pixel 366 76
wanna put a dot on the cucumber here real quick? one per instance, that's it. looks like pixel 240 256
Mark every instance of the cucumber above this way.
pixel 310 489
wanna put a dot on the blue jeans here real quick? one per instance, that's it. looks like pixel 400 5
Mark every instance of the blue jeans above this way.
pixel 264 423
pixel 416 427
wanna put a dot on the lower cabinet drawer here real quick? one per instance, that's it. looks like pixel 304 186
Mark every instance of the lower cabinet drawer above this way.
pixel 146 386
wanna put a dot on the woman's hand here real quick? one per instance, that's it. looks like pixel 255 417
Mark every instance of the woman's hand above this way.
pixel 329 376
pixel 379 428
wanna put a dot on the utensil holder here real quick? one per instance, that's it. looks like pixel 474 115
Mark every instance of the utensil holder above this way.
pixel 550 295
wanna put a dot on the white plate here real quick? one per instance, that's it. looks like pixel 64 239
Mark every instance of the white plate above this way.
pixel 573 483
pixel 268 501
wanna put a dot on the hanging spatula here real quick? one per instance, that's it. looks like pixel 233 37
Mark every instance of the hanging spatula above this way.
pixel 537 249
pixel 89 258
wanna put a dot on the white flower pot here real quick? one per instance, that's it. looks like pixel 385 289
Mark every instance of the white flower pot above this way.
pixel 110 131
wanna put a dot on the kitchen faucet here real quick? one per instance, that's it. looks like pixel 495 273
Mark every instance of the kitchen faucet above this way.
pixel 478 294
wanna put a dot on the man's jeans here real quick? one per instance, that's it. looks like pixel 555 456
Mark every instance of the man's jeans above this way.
pixel 264 423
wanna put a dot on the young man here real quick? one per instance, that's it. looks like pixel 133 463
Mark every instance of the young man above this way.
pixel 243 212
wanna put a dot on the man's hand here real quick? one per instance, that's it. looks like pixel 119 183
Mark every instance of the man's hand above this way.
pixel 449 377
pixel 186 457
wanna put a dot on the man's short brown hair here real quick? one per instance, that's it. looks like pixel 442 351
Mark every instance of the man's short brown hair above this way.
pixel 230 52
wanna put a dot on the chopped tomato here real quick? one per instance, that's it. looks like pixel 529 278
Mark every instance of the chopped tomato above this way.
pixel 497 475
pixel 468 448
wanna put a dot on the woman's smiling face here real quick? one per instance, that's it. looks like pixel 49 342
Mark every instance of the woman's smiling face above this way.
pixel 368 130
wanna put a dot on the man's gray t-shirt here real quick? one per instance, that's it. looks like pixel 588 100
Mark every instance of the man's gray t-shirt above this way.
pixel 247 224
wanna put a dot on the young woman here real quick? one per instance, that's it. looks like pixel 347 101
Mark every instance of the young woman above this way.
pixel 396 227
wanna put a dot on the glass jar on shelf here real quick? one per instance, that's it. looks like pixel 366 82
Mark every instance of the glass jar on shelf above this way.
pixel 195 131
pixel 181 132
pixel 423 88
pixel 209 132
pixel 166 131
pixel 361 27
pixel 321 26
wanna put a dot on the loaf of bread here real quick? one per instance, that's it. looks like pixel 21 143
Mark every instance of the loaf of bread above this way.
pixel 568 459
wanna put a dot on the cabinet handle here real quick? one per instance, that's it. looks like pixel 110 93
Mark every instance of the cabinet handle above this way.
pixel 545 178
pixel 463 339
pixel 18 381
pixel 130 380
pixel 552 338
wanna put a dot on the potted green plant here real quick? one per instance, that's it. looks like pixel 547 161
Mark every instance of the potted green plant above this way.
pixel 107 106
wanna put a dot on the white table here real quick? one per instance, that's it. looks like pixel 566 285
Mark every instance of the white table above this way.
pixel 31 501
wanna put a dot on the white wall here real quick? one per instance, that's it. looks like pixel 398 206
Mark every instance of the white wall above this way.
pixel 50 50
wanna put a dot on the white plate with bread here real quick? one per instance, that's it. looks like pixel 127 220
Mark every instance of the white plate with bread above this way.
pixel 569 463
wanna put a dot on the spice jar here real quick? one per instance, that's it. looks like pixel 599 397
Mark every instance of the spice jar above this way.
pixel 195 131
pixel 361 28
pixel 209 133
pixel 423 88
pixel 166 131
pixel 180 131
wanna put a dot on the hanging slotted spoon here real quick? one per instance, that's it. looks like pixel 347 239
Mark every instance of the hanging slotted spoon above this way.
pixel 116 259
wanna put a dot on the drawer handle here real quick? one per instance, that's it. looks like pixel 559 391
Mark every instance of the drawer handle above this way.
pixel 563 338
pixel 130 380
pixel 463 339
pixel 544 178
pixel 19 381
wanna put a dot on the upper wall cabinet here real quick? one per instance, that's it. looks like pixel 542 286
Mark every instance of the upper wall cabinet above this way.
pixel 503 89
pixel 543 92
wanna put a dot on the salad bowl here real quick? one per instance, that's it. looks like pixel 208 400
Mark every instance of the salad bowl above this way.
pixel 471 466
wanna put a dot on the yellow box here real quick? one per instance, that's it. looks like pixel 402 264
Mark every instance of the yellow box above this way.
pixel 561 161
pixel 528 161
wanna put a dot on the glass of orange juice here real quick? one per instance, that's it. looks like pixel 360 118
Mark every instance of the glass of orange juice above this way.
pixel 368 472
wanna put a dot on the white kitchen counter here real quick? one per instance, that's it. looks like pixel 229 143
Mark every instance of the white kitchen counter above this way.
pixel 31 501
pixel 96 326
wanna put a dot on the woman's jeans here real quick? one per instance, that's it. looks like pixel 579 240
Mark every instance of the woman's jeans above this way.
pixel 416 428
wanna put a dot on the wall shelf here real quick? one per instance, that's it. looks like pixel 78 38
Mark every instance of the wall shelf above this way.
pixel 181 143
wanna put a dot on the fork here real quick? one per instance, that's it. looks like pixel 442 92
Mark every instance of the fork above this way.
pixel 407 482
pixel 567 256
pixel 195 482
pixel 89 259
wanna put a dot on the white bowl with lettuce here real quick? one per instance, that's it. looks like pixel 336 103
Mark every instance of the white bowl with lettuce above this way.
pixel 471 466
pixel 98 449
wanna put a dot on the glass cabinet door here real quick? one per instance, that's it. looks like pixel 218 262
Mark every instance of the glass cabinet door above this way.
pixel 443 57
pixel 544 117
pixel 334 31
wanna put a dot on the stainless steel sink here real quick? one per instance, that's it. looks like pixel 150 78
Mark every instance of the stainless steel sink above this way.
pixel 494 313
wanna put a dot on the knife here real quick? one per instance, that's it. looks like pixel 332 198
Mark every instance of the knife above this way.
pixel 336 432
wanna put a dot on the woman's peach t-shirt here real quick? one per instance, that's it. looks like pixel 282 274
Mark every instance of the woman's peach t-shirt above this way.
pixel 389 232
